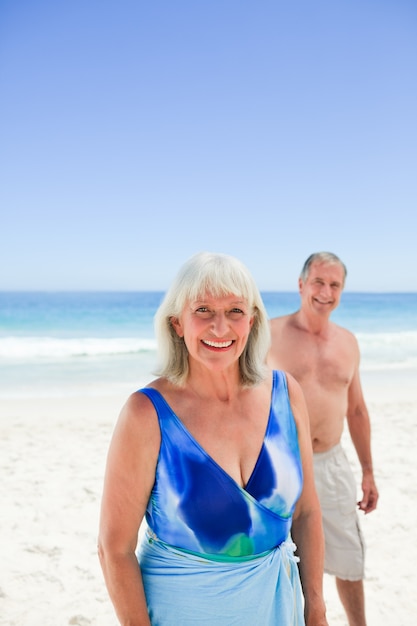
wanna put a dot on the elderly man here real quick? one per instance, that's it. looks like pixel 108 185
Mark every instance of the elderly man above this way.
pixel 324 358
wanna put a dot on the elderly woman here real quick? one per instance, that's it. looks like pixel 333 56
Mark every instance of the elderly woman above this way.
pixel 216 455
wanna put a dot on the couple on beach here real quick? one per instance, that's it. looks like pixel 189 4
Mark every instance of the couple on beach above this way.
pixel 233 457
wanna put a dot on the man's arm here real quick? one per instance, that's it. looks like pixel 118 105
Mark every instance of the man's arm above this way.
pixel 360 432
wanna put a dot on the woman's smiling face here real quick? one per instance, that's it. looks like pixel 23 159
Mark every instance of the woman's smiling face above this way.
pixel 215 329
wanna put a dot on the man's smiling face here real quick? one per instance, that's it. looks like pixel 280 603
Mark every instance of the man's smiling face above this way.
pixel 322 289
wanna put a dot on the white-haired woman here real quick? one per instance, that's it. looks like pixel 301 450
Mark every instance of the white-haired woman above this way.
pixel 216 455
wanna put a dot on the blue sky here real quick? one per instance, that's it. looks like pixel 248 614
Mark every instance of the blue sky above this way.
pixel 134 134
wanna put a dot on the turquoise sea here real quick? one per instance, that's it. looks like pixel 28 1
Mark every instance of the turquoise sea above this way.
pixel 64 343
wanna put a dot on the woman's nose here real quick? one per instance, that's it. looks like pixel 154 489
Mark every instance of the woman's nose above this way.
pixel 219 324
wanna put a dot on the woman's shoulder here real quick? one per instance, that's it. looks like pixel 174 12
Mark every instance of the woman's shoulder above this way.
pixel 138 407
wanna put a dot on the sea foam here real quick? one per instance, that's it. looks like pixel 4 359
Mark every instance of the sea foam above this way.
pixel 29 348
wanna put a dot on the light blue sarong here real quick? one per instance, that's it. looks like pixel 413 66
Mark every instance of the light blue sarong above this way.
pixel 184 589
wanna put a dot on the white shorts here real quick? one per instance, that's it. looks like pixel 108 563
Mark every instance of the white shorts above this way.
pixel 336 489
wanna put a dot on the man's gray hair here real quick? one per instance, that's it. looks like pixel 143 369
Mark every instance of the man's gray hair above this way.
pixel 322 257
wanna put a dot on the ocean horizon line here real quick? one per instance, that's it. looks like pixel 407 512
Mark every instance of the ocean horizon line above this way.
pixel 162 291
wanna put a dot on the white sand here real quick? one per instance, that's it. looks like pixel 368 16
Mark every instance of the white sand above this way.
pixel 52 457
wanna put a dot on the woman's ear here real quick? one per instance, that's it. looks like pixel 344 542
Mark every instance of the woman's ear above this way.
pixel 176 325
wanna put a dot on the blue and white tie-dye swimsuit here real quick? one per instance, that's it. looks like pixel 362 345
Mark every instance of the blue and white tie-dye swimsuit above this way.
pixel 215 552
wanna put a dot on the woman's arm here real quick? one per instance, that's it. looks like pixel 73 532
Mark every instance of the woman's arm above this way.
pixel 307 530
pixel 129 477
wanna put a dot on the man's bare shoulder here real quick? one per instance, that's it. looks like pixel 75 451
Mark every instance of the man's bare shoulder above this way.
pixel 283 341
pixel 283 321
pixel 343 333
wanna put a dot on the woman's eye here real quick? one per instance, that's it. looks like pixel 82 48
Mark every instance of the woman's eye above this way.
pixel 203 312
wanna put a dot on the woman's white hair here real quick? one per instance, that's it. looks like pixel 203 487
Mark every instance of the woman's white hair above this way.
pixel 219 275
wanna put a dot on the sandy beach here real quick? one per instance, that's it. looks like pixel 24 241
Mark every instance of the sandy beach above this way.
pixel 52 463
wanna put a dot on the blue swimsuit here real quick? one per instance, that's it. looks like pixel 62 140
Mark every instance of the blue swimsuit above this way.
pixel 206 532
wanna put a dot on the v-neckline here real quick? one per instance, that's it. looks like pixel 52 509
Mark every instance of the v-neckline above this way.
pixel 197 444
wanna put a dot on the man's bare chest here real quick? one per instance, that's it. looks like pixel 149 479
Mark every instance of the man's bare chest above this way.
pixel 318 362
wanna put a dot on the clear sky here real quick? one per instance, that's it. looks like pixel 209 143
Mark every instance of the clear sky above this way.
pixel 136 133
